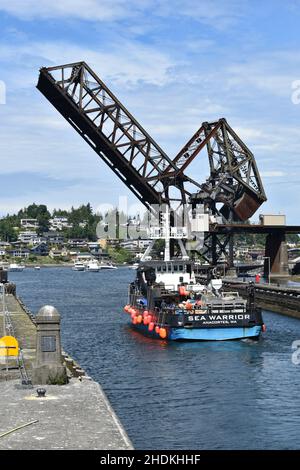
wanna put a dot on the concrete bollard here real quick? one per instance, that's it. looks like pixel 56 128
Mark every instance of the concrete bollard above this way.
pixel 49 367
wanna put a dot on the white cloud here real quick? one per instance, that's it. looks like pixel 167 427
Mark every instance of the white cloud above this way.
pixel 170 88
pixel 272 173
pixel 124 63
pixel 220 14
pixel 91 10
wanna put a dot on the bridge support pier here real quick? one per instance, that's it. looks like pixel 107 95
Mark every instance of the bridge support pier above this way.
pixel 276 255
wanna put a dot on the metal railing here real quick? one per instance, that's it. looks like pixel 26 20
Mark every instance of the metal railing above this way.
pixel 8 330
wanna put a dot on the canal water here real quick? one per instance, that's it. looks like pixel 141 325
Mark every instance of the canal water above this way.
pixel 229 395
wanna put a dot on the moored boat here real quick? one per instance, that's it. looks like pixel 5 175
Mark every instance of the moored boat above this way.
pixel 78 266
pixel 14 267
pixel 107 266
pixel 134 266
pixel 92 266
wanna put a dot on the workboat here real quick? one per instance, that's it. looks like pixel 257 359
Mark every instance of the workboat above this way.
pixel 166 301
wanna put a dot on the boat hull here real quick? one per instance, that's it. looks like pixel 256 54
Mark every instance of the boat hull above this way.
pixel 203 334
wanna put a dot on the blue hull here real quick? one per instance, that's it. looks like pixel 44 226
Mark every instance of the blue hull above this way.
pixel 203 334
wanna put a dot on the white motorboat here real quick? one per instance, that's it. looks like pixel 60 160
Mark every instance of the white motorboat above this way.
pixel 134 266
pixel 37 268
pixel 78 266
pixel 107 266
pixel 93 266
pixel 16 267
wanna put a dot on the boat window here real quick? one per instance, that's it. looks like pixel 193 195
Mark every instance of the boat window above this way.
pixel 180 267
pixel 158 269
pixel 175 268
pixel 164 268
pixel 169 268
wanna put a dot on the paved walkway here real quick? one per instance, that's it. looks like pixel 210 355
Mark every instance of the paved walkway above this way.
pixel 73 416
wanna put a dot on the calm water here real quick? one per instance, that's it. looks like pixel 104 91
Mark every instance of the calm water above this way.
pixel 231 395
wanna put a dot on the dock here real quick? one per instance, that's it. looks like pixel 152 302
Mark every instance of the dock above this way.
pixel 280 299
pixel 77 415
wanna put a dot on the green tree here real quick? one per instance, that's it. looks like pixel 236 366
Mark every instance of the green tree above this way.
pixel 7 230
pixel 39 212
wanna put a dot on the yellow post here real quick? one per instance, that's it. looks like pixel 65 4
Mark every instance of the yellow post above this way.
pixel 9 346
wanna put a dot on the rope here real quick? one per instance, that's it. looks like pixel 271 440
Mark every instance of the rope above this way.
pixel 19 427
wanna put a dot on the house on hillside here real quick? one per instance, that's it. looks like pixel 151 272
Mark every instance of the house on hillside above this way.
pixel 40 250
pixel 19 252
pixel 54 237
pixel 77 243
pixel 29 223
pixel 27 237
pixel 59 223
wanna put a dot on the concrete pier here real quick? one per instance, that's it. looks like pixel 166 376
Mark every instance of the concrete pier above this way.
pixel 73 416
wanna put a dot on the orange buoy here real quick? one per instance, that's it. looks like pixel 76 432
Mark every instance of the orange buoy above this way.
pixel 145 320
pixel 157 329
pixel 151 326
pixel 264 328
pixel 163 333
pixel 149 318
pixel 139 318
pixel 146 312
pixel 182 291
pixel 134 320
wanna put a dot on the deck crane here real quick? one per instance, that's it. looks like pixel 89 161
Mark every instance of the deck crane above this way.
pixel 119 140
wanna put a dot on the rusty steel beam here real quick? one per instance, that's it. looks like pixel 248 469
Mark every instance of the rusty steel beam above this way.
pixel 113 133
pixel 234 179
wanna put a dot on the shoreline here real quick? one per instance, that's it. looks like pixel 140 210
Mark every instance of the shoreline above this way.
pixel 58 265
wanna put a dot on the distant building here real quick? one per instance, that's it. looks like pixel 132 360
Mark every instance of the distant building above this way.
pixel 40 250
pixel 95 248
pixel 135 245
pixel 19 253
pixel 4 244
pixel 27 237
pixel 77 243
pixel 54 237
pixel 29 223
pixel 59 223
pixel 55 254
pixel 84 257
pixel 39 240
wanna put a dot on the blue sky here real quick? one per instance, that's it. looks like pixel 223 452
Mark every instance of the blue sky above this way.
pixel 174 64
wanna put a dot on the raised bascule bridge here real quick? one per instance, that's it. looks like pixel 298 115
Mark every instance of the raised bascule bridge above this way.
pixel 231 194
